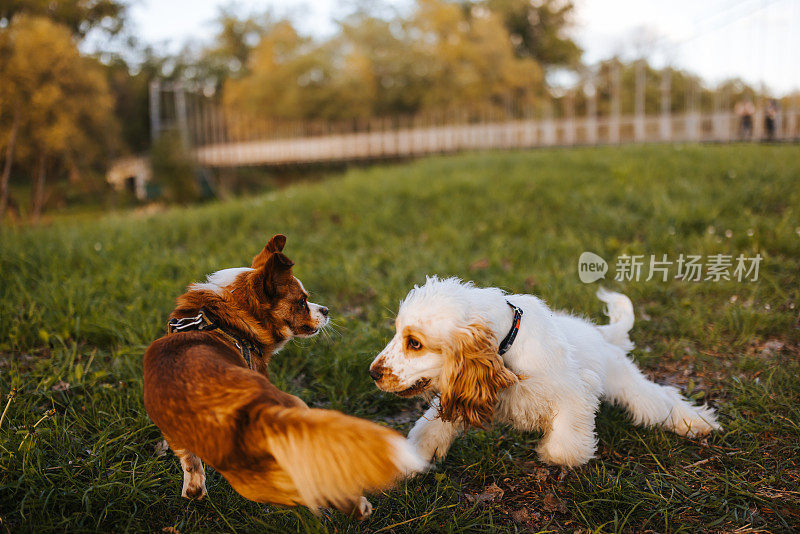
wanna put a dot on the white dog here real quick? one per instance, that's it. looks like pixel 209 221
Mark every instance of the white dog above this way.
pixel 510 359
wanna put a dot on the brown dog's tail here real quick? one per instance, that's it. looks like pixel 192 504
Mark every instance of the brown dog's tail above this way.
pixel 332 458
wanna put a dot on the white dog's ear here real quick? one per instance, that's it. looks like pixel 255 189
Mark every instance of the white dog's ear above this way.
pixel 472 376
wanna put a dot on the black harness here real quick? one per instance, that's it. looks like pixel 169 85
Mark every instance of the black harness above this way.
pixel 512 334
pixel 206 321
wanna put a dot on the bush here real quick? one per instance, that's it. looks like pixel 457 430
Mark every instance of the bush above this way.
pixel 174 169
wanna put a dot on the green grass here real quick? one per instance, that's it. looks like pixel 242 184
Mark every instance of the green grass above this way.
pixel 80 301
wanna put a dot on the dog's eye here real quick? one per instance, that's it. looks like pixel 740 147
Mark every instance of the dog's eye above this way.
pixel 413 344
pixel 302 302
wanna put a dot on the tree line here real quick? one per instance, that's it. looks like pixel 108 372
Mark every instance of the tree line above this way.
pixel 65 114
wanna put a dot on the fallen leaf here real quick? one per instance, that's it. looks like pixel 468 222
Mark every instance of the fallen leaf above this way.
pixel 60 386
pixel 772 347
pixel 479 265
pixel 521 516
pixel 536 470
pixel 492 493
pixel 541 474
pixel 551 503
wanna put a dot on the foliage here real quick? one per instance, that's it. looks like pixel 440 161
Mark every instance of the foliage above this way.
pixel 80 16
pixel 59 99
pixel 229 53
pixel 130 92
pixel 440 58
pixel 539 29
pixel 468 59
pixel 81 305
pixel 174 169
pixel 687 91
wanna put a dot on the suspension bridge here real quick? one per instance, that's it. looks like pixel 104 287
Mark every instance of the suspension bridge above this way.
pixel 219 138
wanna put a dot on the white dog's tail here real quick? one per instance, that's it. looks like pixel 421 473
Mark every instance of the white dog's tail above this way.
pixel 620 313
pixel 647 402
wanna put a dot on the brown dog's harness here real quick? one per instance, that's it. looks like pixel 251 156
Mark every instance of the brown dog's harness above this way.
pixel 206 321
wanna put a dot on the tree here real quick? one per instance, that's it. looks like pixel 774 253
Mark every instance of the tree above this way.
pixel 468 59
pixel 383 67
pixel 438 60
pixel 287 74
pixel 59 101
pixel 687 91
pixel 230 51
pixel 10 111
pixel 539 29
pixel 80 17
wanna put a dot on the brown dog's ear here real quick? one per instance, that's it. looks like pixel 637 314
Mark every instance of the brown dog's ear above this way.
pixel 277 271
pixel 472 376
pixel 275 244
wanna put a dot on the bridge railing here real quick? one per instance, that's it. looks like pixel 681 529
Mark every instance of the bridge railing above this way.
pixel 220 141
pixel 391 141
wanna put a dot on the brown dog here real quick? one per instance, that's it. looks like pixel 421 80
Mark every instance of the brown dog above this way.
pixel 206 388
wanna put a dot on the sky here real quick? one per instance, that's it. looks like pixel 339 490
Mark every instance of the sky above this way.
pixel 757 40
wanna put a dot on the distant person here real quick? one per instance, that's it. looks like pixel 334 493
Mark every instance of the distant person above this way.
pixel 770 119
pixel 745 110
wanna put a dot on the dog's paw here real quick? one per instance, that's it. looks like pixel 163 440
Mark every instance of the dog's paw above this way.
pixel 565 453
pixel 362 509
pixel 195 492
pixel 194 486
pixel 430 449
pixel 695 427
pixel 693 421
pixel 431 454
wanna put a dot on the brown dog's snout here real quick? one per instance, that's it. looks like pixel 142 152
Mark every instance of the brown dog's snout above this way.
pixel 376 373
pixel 324 311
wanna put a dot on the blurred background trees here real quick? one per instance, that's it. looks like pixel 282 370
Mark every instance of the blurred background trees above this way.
pixel 57 103
pixel 64 113
pixel 78 17
pixel 539 30
pixel 443 57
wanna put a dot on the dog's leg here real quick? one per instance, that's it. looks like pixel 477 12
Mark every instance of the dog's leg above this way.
pixel 360 510
pixel 194 476
pixel 431 436
pixel 570 440
pixel 651 404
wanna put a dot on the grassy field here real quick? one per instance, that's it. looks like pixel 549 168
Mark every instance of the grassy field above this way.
pixel 80 301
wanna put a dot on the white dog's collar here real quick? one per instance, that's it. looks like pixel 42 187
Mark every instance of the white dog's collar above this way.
pixel 512 334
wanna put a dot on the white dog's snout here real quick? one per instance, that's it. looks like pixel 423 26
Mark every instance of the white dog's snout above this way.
pixel 386 355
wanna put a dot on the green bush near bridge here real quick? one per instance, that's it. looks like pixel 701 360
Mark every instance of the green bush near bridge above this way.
pixel 79 302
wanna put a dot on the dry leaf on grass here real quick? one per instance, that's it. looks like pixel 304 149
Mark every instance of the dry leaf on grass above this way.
pixel 492 493
pixel 551 503
pixel 521 516
pixel 60 386
pixel 479 265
